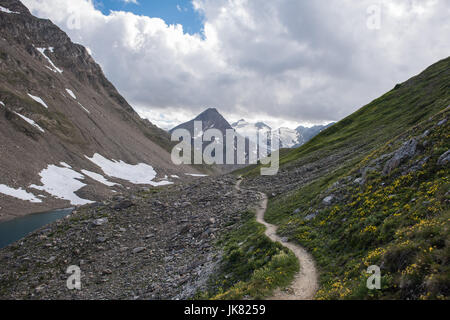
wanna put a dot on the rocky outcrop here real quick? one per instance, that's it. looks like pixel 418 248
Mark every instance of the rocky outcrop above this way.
pixel 406 151
pixel 444 158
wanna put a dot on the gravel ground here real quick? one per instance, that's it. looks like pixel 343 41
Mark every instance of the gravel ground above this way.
pixel 150 245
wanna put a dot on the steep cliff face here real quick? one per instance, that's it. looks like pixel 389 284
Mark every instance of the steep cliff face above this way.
pixel 62 123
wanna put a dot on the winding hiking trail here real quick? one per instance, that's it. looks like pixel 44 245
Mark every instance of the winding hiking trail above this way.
pixel 305 282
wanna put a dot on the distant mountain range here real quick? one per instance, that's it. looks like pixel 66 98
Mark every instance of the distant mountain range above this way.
pixel 212 119
pixel 288 138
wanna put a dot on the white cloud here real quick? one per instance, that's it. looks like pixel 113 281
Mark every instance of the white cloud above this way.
pixel 290 61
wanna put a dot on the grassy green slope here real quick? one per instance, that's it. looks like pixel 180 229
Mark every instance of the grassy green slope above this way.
pixel 252 266
pixel 397 220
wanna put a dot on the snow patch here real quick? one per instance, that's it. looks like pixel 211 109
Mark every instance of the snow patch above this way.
pixel 98 177
pixel 39 100
pixel 62 183
pixel 34 124
pixel 196 175
pixel 84 108
pixel 175 176
pixel 19 194
pixel 6 10
pixel 137 174
pixel 70 92
pixel 161 183
pixel 53 68
pixel 1 102
pixel 62 163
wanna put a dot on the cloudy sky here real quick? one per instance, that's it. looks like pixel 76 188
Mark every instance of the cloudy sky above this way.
pixel 285 62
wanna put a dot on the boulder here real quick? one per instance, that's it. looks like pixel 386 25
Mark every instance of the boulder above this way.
pixel 406 151
pixel 100 222
pixel 124 204
pixel 444 158
pixel 425 134
pixel 328 200
pixel 138 249
pixel 311 216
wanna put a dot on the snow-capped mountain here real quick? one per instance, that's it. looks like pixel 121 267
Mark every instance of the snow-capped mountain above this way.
pixel 250 130
pixel 288 138
pixel 212 119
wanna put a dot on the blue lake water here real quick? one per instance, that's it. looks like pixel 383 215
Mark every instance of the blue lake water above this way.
pixel 16 229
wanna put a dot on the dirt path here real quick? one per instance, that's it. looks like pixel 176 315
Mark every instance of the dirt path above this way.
pixel 305 282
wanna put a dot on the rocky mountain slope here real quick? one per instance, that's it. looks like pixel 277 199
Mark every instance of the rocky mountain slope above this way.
pixel 67 137
pixel 288 138
pixel 156 244
pixel 373 189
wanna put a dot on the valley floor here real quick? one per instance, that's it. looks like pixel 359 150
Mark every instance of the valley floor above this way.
pixel 197 240
pixel 156 244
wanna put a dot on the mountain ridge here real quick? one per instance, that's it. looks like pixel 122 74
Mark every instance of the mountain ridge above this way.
pixel 289 138
pixel 58 107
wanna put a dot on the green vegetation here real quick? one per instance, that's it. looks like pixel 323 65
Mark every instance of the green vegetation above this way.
pixel 381 120
pixel 397 220
pixel 3 55
pixel 252 266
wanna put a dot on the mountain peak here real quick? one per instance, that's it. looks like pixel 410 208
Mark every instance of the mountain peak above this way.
pixel 208 114
pixel 210 110
pixel 210 118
